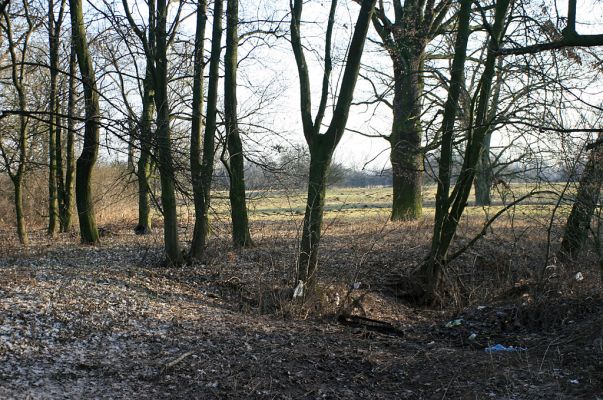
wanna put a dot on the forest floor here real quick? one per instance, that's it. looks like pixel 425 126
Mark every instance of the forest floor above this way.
pixel 110 322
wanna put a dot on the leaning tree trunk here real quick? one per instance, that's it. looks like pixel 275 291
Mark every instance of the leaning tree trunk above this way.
pixel 425 282
pixel 144 161
pixel 238 205
pixel 164 141
pixel 87 159
pixel 449 208
pixel 587 198
pixel 406 152
pixel 203 173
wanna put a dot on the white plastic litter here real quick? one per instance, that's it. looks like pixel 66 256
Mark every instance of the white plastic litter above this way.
pixel 299 289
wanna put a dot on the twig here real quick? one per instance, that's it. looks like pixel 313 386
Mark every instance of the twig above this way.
pixel 179 359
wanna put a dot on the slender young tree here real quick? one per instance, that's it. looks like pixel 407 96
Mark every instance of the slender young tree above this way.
pixel 235 165
pixel 322 145
pixel 18 51
pixel 54 130
pixel 156 46
pixel 450 206
pixel 87 159
pixel 67 180
pixel 202 170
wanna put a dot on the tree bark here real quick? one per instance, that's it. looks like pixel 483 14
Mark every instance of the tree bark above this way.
pixel 587 198
pixel 236 169
pixel 87 159
pixel 67 204
pixel 406 151
pixel 145 224
pixel 21 229
pixel 202 173
pixel 320 160
pixel 484 175
pixel 54 29
pixel 164 141
pixel 405 38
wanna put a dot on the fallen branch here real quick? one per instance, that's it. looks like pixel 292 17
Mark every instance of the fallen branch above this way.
pixel 179 359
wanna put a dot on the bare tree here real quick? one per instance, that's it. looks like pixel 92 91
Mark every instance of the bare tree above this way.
pixel 235 163
pixel 156 39
pixel 202 170
pixel 16 167
pixel 405 38
pixel 54 131
pixel 322 145
pixel 87 159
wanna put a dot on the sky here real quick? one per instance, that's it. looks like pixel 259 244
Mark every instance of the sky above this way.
pixel 271 70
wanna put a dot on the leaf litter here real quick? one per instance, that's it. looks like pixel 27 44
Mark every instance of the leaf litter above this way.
pixel 107 322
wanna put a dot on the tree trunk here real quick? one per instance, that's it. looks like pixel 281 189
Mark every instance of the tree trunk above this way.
pixel 60 174
pixel 67 208
pixel 87 159
pixel 449 208
pixel 164 142
pixel 20 218
pixel 238 204
pixel 18 76
pixel 144 161
pixel 406 152
pixel 483 175
pixel 53 45
pixel 203 173
pixel 323 145
pixel 53 202
pixel 423 285
pixel 320 160
pixel 130 164
pixel 587 198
